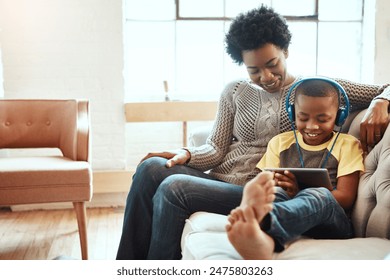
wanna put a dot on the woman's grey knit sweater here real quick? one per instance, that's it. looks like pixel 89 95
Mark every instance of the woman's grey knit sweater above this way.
pixel 248 117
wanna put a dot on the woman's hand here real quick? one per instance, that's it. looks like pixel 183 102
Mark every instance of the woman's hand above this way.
pixel 374 123
pixel 174 157
pixel 288 182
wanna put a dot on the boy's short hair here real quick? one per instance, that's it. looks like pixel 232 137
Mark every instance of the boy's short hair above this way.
pixel 255 28
pixel 317 88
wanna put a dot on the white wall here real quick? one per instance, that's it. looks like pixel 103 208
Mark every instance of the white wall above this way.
pixel 69 49
pixel 382 40
pixel 73 49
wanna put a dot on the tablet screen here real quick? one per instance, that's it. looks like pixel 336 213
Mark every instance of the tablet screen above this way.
pixel 308 177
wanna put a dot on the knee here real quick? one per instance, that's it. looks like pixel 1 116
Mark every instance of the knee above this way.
pixel 148 176
pixel 281 194
pixel 152 164
pixel 172 185
pixel 151 170
pixel 323 194
pixel 171 189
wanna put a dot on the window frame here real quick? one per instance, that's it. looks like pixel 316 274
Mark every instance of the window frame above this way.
pixel 288 18
pixel 314 18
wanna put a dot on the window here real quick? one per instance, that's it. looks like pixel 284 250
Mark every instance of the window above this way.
pixel 182 42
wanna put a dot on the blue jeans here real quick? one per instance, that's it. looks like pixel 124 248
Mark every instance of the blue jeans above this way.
pixel 313 212
pixel 161 199
pixel 159 202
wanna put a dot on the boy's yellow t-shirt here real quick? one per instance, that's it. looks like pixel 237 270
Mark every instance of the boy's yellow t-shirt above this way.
pixel 346 156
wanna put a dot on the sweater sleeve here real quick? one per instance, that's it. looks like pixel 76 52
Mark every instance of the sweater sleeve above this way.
pixel 211 154
pixel 360 95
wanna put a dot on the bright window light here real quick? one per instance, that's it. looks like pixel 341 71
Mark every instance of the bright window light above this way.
pixel 189 52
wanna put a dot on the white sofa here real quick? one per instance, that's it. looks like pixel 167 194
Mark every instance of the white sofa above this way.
pixel 204 235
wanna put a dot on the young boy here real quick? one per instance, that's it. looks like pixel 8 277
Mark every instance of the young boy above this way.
pixel 291 212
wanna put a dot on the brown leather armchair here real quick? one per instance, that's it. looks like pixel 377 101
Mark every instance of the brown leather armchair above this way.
pixel 61 124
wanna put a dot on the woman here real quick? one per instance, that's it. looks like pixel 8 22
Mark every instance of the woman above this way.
pixel 169 186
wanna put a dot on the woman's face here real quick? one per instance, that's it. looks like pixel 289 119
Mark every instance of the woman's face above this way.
pixel 266 67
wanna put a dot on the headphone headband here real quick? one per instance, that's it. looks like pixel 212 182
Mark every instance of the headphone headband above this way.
pixel 342 112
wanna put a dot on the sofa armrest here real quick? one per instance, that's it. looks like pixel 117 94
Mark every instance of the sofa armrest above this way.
pixel 199 135
pixel 371 214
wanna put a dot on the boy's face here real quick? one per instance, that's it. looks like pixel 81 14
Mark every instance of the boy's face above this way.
pixel 315 118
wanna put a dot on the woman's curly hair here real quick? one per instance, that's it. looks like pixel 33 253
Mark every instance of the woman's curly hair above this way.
pixel 254 29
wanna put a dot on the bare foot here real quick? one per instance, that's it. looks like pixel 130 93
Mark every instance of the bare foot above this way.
pixel 247 238
pixel 259 193
pixel 243 230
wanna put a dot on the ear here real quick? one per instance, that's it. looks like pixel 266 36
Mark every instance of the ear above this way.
pixel 285 53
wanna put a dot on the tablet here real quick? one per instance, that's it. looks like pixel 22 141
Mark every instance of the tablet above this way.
pixel 308 177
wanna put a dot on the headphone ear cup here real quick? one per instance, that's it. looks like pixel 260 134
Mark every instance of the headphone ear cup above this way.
pixel 341 116
pixel 291 112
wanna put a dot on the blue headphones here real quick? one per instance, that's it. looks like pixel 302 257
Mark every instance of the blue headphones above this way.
pixel 342 112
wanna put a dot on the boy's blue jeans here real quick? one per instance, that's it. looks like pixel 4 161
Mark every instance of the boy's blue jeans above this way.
pixel 313 212
pixel 161 199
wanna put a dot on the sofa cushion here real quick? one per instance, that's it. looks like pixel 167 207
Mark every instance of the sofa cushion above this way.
pixel 203 221
pixel 373 248
pixel 208 245
pixel 206 239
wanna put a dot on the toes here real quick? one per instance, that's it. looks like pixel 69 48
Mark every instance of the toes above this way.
pixel 228 227
pixel 249 214
pixel 264 176
pixel 270 198
pixel 268 208
pixel 269 186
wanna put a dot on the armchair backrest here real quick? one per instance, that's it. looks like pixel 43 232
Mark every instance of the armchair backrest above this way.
pixel 62 124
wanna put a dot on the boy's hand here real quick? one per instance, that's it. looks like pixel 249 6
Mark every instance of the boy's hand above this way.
pixel 287 181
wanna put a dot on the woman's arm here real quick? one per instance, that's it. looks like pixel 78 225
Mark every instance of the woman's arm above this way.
pixel 211 154
pixel 376 99
pixel 374 123
pixel 217 145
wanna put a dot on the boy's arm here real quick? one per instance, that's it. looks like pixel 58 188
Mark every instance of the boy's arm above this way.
pixel 348 171
pixel 346 191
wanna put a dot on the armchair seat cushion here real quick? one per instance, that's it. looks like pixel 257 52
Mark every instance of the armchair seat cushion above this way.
pixel 38 177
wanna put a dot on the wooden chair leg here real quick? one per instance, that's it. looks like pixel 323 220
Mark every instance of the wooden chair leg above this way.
pixel 81 215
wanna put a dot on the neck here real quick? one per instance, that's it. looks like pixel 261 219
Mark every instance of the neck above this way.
pixel 289 79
